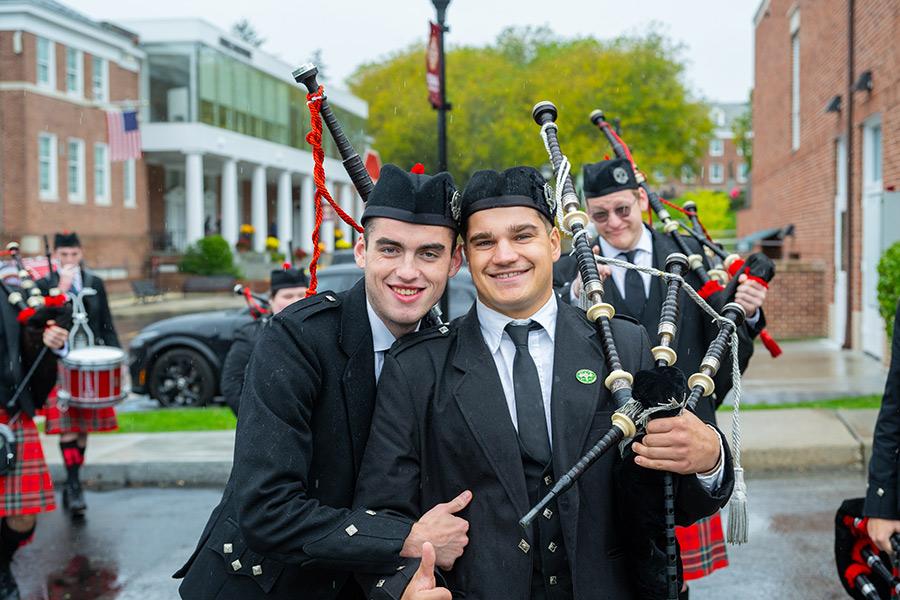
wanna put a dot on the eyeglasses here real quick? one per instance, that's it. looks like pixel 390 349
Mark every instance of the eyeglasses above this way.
pixel 622 211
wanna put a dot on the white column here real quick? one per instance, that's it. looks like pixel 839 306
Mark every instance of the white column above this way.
pixel 230 216
pixel 358 207
pixel 258 205
pixel 193 166
pixel 326 233
pixel 346 202
pixel 285 212
pixel 307 213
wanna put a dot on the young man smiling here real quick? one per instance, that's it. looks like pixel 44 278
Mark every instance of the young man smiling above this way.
pixel 284 528
pixel 506 402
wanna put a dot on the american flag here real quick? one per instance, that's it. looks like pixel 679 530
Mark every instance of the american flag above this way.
pixel 124 135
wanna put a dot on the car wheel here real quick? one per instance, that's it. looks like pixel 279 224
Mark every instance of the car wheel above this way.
pixel 182 377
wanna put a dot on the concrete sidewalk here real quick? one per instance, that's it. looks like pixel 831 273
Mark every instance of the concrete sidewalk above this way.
pixel 773 442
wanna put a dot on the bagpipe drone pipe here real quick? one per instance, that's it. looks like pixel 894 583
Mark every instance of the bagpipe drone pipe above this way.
pixel 865 572
pixel 727 267
pixel 659 392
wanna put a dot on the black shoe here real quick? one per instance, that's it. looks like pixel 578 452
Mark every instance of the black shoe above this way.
pixel 9 590
pixel 73 499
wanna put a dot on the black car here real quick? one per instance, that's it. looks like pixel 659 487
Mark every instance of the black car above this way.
pixel 177 361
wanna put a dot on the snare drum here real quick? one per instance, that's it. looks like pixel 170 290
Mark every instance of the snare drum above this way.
pixel 93 377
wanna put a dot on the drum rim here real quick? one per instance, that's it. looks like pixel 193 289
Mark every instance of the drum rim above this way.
pixel 69 360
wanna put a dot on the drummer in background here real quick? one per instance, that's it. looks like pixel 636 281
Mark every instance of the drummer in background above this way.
pixel 74 424
pixel 286 286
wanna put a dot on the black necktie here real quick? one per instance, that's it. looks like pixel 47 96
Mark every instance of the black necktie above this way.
pixel 635 296
pixel 529 400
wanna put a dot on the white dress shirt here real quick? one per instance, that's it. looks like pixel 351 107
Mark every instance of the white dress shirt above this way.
pixel 503 351
pixel 541 348
pixel 382 338
pixel 643 257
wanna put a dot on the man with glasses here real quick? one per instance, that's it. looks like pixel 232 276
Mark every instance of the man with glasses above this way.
pixel 615 203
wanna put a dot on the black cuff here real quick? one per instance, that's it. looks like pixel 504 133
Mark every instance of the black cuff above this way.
pixel 881 500
pixel 366 541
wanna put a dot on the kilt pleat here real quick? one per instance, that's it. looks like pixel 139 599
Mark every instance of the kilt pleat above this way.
pixel 702 547
pixel 75 419
pixel 28 489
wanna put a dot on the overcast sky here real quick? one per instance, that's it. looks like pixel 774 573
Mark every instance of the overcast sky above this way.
pixel 717 34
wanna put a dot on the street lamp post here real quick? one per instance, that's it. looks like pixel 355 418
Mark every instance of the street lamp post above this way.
pixel 441 7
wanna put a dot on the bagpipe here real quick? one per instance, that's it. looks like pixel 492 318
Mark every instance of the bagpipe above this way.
pixel 719 284
pixel 865 572
pixel 258 305
pixel 659 392
pixel 320 110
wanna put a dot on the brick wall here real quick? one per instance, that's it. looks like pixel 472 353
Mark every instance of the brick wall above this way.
pixel 793 307
pixel 113 236
pixel 798 186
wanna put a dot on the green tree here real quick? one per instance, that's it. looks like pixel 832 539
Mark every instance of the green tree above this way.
pixel 493 88
pixel 889 286
pixel 713 209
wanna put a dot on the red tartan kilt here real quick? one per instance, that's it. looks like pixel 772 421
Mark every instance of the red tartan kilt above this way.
pixel 28 489
pixel 702 547
pixel 77 420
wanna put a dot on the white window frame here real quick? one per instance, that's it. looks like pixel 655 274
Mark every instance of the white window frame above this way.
pixel 78 73
pixel 688 176
pixel 129 183
pixel 713 167
pixel 77 197
pixel 104 199
pixel 51 193
pixel 716 147
pixel 795 80
pixel 103 88
pixel 739 174
pixel 50 63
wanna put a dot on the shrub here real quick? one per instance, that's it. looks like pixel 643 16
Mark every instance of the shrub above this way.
pixel 209 256
pixel 889 286
pixel 713 208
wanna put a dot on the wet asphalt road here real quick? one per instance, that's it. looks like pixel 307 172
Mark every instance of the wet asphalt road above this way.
pixel 133 539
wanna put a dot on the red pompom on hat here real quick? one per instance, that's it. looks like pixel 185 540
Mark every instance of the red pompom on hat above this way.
pixel 418 169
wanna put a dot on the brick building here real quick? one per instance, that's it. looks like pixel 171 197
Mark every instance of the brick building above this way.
pixel 223 128
pixel 826 112
pixel 59 74
pixel 722 167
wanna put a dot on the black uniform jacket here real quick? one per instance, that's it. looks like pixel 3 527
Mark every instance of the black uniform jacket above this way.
pixel 695 329
pixel 19 348
pixel 97 307
pixel 285 527
pixel 882 495
pixel 442 426
pixel 232 380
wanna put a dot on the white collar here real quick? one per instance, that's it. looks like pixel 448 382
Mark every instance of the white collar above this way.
pixel 382 338
pixel 645 243
pixel 493 323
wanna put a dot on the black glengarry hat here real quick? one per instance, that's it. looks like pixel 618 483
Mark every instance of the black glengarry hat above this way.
pixel 412 197
pixel 66 239
pixel 516 186
pixel 608 176
pixel 287 278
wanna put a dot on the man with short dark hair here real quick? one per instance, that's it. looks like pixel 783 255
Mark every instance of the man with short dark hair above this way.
pixel 286 286
pixel 75 423
pixel 285 527
pixel 505 402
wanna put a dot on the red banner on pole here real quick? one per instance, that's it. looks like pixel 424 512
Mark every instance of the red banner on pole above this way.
pixel 433 61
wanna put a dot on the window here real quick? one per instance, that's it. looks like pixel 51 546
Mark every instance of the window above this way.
pixel 46 63
pixel 874 136
pixel 101 174
pixel 687 175
pixel 47 166
pixel 716 148
pixel 74 72
pixel 75 171
pixel 795 80
pixel 129 184
pixel 742 172
pixel 716 173
pixel 99 79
